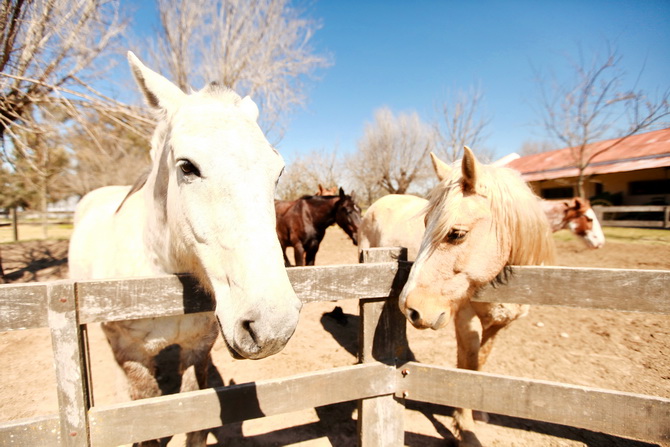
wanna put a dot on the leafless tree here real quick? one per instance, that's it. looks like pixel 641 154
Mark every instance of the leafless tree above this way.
pixel 304 174
pixel 49 59
pixel 259 48
pixel 530 147
pixel 597 106
pixel 393 152
pixel 50 46
pixel 462 123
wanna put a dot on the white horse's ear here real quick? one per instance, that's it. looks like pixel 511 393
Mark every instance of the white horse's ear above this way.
pixel 250 108
pixel 158 92
pixel 469 169
pixel 442 170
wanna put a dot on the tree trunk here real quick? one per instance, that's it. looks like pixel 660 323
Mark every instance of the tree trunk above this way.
pixel 15 224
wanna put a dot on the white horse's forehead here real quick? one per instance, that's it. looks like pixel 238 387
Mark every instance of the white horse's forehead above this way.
pixel 198 128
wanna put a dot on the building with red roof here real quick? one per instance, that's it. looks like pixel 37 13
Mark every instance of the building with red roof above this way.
pixel 635 171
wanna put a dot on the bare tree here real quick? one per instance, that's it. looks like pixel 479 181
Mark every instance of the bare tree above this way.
pixel 259 48
pixel 461 123
pixel 393 152
pixel 48 46
pixel 530 147
pixel 596 106
pixel 49 58
pixel 304 174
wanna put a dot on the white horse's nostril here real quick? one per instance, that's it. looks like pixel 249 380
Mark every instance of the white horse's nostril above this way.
pixel 414 316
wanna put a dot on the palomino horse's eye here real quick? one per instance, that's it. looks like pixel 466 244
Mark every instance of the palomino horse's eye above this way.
pixel 188 168
pixel 456 236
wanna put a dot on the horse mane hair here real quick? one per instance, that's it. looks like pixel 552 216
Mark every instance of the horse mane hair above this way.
pixel 519 220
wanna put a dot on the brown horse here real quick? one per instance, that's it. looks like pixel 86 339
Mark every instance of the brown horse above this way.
pixel 302 223
pixel 576 215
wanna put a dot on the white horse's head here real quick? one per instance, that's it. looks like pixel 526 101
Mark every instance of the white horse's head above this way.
pixel 479 220
pixel 212 185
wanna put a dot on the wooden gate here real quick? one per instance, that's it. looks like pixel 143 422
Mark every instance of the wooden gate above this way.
pixel 381 382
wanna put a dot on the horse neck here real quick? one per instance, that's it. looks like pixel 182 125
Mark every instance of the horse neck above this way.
pixel 160 242
pixel 556 215
pixel 322 209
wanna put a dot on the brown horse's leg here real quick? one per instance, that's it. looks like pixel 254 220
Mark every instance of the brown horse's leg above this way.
pixel 310 255
pixel 299 254
pixel 468 338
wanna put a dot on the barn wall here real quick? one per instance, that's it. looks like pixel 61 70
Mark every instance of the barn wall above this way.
pixel 613 184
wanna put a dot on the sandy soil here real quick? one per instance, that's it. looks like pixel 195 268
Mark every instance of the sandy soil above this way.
pixel 620 351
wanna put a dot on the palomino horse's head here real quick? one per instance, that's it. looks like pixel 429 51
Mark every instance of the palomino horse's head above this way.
pixel 583 222
pixel 479 220
pixel 212 185
pixel 348 215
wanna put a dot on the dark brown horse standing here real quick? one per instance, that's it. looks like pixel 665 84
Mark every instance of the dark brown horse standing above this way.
pixel 302 223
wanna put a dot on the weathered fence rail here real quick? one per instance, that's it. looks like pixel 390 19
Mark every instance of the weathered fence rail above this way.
pixel 603 213
pixel 380 382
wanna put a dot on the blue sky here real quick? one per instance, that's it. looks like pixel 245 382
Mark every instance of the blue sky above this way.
pixel 409 55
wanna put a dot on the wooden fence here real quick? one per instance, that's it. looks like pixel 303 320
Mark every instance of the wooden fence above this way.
pixel 604 216
pixel 381 382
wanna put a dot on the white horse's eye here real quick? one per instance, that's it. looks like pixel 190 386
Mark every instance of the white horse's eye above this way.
pixel 456 235
pixel 188 168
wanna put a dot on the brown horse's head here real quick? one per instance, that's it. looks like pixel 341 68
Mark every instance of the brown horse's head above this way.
pixel 348 215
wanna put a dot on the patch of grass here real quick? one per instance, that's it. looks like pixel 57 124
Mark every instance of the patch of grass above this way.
pixel 625 235
pixel 637 235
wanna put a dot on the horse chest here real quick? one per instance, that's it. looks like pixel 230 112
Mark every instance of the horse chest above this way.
pixel 145 338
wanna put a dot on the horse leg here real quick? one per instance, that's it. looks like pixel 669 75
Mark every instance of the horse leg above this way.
pixel 310 255
pixel 287 263
pixel 299 254
pixel 468 339
pixel 201 369
pixel 142 384
pixel 494 317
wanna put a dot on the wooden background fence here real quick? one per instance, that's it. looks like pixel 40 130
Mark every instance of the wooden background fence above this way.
pixel 606 216
pixel 381 382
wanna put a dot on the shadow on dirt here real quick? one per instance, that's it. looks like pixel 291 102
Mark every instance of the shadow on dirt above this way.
pixel 43 260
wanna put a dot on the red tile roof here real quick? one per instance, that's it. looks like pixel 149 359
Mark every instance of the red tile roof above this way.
pixel 642 151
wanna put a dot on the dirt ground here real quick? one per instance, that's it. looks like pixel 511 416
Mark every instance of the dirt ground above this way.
pixel 620 351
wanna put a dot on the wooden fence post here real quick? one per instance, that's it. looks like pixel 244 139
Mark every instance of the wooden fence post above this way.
pixel 382 338
pixel 69 363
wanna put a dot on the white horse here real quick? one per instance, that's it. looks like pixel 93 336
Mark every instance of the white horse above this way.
pixel 205 208
pixel 576 215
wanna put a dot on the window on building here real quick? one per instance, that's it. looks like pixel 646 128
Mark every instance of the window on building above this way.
pixel 646 187
pixel 557 193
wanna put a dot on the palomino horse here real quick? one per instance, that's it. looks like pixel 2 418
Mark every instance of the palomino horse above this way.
pixel 576 215
pixel 478 220
pixel 302 223
pixel 206 208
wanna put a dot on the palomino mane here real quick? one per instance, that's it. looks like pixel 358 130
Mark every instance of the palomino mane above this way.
pixel 519 221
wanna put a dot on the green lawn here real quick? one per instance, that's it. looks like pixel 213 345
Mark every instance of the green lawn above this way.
pixel 627 235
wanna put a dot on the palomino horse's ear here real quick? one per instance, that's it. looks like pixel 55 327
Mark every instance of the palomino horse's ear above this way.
pixel 250 108
pixel 320 190
pixel 158 92
pixel 469 170
pixel 442 170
